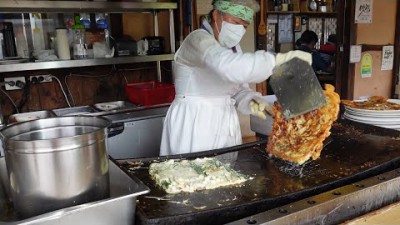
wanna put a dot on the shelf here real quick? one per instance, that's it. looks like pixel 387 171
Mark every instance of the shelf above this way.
pixel 283 12
pixel 319 14
pixel 13 6
pixel 316 14
pixel 83 62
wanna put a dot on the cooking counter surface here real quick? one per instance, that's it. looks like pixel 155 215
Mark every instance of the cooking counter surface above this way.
pixel 353 152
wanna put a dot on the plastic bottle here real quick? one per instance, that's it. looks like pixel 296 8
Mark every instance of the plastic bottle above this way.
pixel 79 44
pixel 85 20
pixel 101 23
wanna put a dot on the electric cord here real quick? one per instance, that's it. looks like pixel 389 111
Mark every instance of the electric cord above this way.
pixel 11 100
pixel 25 95
pixel 113 69
pixel 62 89
pixel 68 90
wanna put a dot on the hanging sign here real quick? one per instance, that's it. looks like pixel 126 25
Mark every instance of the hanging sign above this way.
pixel 366 65
pixel 355 53
pixel 387 57
pixel 363 12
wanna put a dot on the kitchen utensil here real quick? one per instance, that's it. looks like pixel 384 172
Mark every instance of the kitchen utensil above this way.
pixel 57 162
pixel 262 28
pixel 297 88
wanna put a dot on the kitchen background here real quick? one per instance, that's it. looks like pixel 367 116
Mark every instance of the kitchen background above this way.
pixel 89 85
pixel 83 85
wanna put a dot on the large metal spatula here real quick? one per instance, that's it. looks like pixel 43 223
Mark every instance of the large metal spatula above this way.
pixel 297 88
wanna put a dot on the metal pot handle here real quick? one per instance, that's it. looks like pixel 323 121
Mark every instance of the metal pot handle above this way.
pixel 115 129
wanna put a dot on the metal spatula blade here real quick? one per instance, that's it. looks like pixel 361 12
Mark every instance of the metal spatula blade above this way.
pixel 297 88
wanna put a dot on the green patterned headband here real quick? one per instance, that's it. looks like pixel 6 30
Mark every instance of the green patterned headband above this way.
pixel 240 11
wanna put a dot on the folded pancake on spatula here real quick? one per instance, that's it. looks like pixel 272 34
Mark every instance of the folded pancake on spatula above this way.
pixel 301 138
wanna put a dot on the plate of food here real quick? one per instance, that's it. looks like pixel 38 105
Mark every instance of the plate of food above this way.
pixel 376 106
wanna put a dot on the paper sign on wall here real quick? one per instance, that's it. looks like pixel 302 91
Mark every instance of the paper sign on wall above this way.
pixel 387 57
pixel 363 12
pixel 366 65
pixel 285 24
pixel 355 53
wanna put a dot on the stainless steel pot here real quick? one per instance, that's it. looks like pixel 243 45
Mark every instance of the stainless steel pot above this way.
pixel 56 162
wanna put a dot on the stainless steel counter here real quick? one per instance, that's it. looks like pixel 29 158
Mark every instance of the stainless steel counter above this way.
pixel 119 208
pixel 334 206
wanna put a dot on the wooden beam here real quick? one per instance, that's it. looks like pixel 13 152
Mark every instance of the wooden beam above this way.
pixel 344 82
pixel 353 39
pixel 396 59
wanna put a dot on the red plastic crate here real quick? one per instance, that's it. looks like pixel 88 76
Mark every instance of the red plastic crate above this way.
pixel 150 93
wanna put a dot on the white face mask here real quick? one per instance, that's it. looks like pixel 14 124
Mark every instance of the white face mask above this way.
pixel 230 34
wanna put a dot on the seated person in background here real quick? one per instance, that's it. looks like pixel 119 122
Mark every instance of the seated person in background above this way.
pixel 307 42
pixel 328 50
pixel 330 46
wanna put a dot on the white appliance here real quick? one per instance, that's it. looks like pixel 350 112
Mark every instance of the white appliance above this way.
pixel 136 134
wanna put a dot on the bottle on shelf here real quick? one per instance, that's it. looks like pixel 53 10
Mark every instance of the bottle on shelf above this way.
pixel 102 23
pixel 277 5
pixel 79 44
pixel 85 20
pixel 290 5
pixel 323 6
pixel 312 5
pixel 284 5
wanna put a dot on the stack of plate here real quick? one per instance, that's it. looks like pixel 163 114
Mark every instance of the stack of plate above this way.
pixel 381 118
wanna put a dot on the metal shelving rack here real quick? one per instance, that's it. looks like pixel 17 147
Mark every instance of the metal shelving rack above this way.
pixel 16 6
pixel 83 62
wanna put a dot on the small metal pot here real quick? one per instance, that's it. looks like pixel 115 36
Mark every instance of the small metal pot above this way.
pixel 55 163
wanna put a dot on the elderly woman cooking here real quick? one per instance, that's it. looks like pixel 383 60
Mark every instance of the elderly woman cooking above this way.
pixel 211 81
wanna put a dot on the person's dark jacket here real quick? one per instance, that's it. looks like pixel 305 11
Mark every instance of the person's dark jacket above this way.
pixel 318 63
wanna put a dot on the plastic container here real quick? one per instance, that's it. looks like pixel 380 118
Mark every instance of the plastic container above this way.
pixel 150 93
pixel 62 46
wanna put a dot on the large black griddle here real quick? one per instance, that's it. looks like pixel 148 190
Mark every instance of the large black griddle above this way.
pixel 353 152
